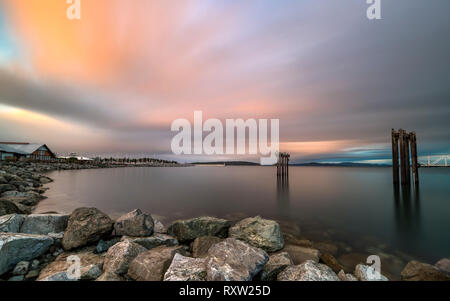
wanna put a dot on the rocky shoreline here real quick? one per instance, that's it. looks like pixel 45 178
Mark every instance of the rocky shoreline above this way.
pixel 138 247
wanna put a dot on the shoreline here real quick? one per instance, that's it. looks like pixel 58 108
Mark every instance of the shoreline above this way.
pixel 30 178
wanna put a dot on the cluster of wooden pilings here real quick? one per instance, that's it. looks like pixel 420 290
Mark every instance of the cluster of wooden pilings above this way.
pixel 283 165
pixel 401 144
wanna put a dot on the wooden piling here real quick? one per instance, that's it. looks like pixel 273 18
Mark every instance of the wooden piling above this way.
pixel 395 167
pixel 401 138
pixel 283 165
pixel 414 159
pixel 407 160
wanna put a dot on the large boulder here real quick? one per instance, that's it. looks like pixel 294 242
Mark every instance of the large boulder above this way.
pixel 153 264
pixel 59 270
pixel 368 273
pixel 11 223
pixel 44 223
pixel 188 230
pixel 85 226
pixel 134 223
pixel 120 255
pixel 418 271
pixel 308 271
pixel 276 264
pixel 201 245
pixel 153 241
pixel 259 232
pixel 301 254
pixel 15 248
pixel 8 207
pixel 234 260
pixel 186 269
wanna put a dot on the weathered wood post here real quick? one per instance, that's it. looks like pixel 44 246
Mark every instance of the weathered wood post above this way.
pixel 287 165
pixel 415 164
pixel 278 164
pixel 401 136
pixel 395 166
pixel 407 162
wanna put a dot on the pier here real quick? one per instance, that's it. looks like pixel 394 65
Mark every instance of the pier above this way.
pixel 283 165
pixel 404 157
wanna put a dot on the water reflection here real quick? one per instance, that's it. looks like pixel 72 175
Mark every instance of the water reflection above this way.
pixel 283 200
pixel 407 213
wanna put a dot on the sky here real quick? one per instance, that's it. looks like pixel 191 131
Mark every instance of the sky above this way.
pixel 114 81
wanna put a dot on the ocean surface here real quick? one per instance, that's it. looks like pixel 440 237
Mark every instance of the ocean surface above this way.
pixel 358 209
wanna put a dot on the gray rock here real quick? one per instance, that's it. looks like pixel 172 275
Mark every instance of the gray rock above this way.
pixel 418 271
pixel 346 277
pixel 58 269
pixel 45 180
pixel 444 266
pixel 234 260
pixel 15 248
pixel 120 255
pixel 188 230
pixel 302 254
pixel 103 246
pixel 11 223
pixel 44 223
pixel 85 226
pixel 134 223
pixel 6 187
pixel 28 198
pixel 159 227
pixel 8 207
pixel 35 264
pixel 33 274
pixel 153 264
pixel 201 245
pixel 260 233
pixel 21 268
pixel 17 278
pixel 57 238
pixel 276 264
pixel 367 273
pixel 153 241
pixel 308 271
pixel 186 269
pixel 90 272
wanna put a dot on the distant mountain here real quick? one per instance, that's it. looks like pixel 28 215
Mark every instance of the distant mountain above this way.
pixel 312 164
pixel 342 164
pixel 228 163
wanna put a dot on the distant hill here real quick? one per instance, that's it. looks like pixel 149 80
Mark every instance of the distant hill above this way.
pixel 312 164
pixel 228 163
pixel 342 164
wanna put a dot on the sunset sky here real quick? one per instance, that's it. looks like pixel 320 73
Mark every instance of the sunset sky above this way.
pixel 113 82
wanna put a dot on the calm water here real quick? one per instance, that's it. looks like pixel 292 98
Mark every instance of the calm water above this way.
pixel 358 206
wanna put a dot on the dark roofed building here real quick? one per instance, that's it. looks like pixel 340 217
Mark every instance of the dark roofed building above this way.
pixel 25 151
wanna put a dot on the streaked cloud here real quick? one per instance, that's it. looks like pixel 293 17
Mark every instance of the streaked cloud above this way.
pixel 337 81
